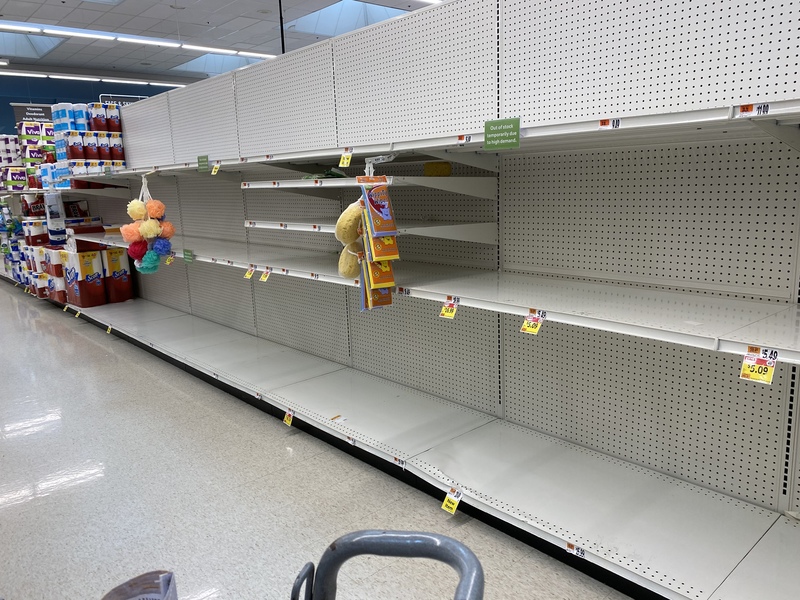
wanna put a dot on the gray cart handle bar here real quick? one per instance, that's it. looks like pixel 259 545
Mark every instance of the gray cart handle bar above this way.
pixel 404 544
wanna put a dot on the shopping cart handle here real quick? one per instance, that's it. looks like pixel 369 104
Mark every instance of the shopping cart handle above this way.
pixel 406 544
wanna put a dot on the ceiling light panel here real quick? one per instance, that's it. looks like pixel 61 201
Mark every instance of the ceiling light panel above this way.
pixel 207 49
pixel 80 34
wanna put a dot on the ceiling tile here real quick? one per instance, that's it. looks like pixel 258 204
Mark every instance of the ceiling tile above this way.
pixel 19 10
pixel 134 7
pixel 110 21
pixel 51 11
pixel 141 23
pixel 161 11
pixel 239 23
pixel 87 17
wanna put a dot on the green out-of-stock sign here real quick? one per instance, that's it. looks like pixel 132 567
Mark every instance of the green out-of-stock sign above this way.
pixel 202 163
pixel 501 134
pixel 188 256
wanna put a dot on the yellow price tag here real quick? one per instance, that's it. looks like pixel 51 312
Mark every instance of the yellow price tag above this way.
pixel 757 369
pixel 215 170
pixel 65 308
pixel 264 276
pixel 347 156
pixel 451 501
pixel 169 260
pixel 287 418
pixel 450 307
pixel 77 314
pixel 449 310
pixel 249 273
pixel 109 329
pixel 531 325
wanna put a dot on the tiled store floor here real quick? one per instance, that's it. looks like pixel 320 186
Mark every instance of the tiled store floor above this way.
pixel 113 463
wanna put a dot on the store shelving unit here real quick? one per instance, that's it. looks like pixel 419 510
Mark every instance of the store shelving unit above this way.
pixel 652 215
pixel 113 192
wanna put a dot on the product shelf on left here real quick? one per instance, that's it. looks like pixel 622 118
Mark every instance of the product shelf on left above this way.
pixel 113 192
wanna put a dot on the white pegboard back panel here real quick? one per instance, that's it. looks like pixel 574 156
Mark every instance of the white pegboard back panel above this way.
pixel 284 206
pixel 113 211
pixel 306 315
pixel 427 74
pixel 147 132
pixel 203 119
pixel 168 286
pixel 676 410
pixel 221 294
pixel 287 104
pixel 410 344
pixel 211 208
pixel 577 60
pixel 720 218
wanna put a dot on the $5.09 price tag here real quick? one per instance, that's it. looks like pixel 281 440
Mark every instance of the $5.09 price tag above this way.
pixel 451 501
pixel 759 364
pixel 249 273
pixel 533 322
pixel 450 307
pixel 287 418
pixel 576 550
pixel 265 275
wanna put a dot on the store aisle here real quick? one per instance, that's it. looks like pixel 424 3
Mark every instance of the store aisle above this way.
pixel 113 463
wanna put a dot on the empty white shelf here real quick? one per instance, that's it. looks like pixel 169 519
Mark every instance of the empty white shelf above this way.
pixel 770 569
pixel 678 539
pixel 484 233
pixel 114 192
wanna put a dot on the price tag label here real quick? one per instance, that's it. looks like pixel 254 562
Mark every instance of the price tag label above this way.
pixel 400 463
pixel 464 139
pixel 77 314
pixel 576 550
pixel 351 440
pixel 403 291
pixel 287 418
pixel 753 110
pixel 170 259
pixel 533 322
pixel 759 364
pixel 188 256
pixel 451 501
pixel 65 308
pixel 347 156
pixel 450 307
pixel 264 275
pixel 249 273
pixel 215 169
pixel 109 329
pixel 609 124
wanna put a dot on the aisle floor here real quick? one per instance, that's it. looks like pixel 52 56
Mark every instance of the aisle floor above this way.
pixel 114 462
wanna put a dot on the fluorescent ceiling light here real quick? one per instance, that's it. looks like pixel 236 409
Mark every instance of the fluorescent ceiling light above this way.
pixel 206 49
pixel 255 54
pixel 20 28
pixel 74 77
pixel 20 74
pixel 80 34
pixel 149 42
pixel 175 85
pixel 124 81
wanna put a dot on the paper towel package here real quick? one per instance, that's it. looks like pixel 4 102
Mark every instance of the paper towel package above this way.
pixel 75 146
pixel 83 272
pixel 81 112
pixel 90 150
pixel 57 289
pixel 97 116
pixel 104 145
pixel 52 263
pixel 30 133
pixel 117 148
pixel 117 273
pixel 40 281
pixel 112 117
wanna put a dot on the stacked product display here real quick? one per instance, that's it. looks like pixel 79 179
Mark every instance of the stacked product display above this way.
pixel 21 154
pixel 88 141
